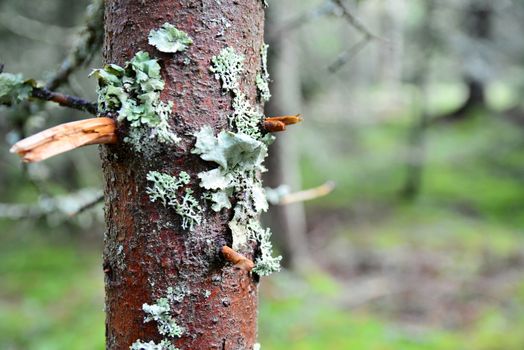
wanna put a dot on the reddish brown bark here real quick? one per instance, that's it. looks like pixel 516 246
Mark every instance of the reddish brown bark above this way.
pixel 146 251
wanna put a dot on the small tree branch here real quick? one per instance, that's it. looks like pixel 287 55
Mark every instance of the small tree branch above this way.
pixel 89 42
pixel 354 21
pixel 346 56
pixel 65 100
pixel 307 195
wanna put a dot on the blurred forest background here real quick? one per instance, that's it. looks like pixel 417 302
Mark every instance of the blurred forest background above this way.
pixel 411 106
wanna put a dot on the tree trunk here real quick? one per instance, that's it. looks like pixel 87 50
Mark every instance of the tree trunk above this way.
pixel 287 221
pixel 147 253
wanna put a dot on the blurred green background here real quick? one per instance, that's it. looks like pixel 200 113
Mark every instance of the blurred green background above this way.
pixel 421 244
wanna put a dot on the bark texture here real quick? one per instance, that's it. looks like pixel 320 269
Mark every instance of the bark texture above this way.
pixel 146 250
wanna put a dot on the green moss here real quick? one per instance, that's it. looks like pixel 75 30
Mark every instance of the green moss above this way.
pixel 169 39
pixel 166 189
pixel 133 93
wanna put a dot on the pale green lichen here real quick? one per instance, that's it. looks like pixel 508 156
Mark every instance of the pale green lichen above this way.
pixel 178 293
pixel 257 346
pixel 133 93
pixel 161 313
pixel 169 39
pixel 245 118
pixel 14 88
pixel 166 189
pixel 262 78
pixel 239 156
pixel 163 345
pixel 227 67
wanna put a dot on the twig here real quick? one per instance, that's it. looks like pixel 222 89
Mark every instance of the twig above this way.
pixel 346 56
pixel 327 8
pixel 307 195
pixel 66 206
pixel 89 42
pixel 66 137
pixel 88 206
pixel 237 259
pixel 65 100
pixel 354 21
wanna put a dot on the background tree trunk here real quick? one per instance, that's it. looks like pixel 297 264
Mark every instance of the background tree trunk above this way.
pixel 288 222
pixel 146 250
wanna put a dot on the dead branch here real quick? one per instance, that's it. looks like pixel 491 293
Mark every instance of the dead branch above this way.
pixel 276 124
pixel 307 195
pixel 65 100
pixel 65 137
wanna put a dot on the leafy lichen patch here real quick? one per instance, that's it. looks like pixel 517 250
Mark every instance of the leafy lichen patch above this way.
pixel 163 345
pixel 165 188
pixel 161 313
pixel 240 158
pixel 14 88
pixel 228 66
pixel 133 93
pixel 169 38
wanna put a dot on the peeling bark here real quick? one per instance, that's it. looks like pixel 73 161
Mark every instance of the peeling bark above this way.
pixel 146 250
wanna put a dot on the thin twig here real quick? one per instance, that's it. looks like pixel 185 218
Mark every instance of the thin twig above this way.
pixel 65 100
pixel 88 206
pixel 89 42
pixel 346 56
pixel 354 21
pixel 308 195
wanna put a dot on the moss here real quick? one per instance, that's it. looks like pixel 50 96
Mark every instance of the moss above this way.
pixel 165 188
pixel 133 92
pixel 169 39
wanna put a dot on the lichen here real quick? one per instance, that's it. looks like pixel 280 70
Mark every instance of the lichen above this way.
pixel 257 346
pixel 169 39
pixel 14 88
pixel 240 157
pixel 163 345
pixel 262 78
pixel 133 93
pixel 165 188
pixel 227 67
pixel 161 313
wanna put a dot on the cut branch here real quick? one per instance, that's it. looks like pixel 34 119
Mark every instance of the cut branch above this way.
pixel 237 259
pixel 276 124
pixel 65 137
pixel 65 100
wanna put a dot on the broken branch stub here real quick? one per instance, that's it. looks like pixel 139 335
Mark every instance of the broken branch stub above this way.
pixel 237 259
pixel 65 137
pixel 276 124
